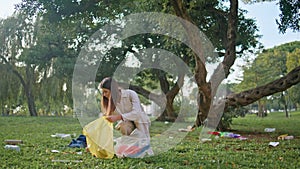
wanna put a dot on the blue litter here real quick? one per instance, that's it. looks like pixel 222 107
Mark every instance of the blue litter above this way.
pixel 80 142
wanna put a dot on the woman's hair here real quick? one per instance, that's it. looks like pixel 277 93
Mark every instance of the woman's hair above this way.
pixel 108 104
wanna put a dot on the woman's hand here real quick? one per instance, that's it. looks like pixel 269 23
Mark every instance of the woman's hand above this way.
pixel 114 118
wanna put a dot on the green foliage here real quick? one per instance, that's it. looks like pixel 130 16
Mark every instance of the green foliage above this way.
pixel 11 94
pixel 209 16
pixel 60 28
pixel 14 39
pixel 228 117
pixel 293 60
pixel 38 51
pixel 289 17
pixel 190 153
pixel 269 65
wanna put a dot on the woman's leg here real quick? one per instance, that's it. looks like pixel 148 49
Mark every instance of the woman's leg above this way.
pixel 144 128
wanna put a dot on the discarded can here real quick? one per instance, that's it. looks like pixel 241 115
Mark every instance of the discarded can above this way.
pixel 12 147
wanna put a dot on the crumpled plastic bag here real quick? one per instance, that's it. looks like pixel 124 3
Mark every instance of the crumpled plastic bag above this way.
pixel 135 145
pixel 99 137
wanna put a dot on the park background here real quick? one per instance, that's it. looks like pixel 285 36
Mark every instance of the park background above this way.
pixel 280 112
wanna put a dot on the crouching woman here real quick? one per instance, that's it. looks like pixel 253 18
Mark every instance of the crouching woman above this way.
pixel 123 107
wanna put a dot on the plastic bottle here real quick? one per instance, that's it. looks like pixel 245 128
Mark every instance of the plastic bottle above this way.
pixel 270 130
pixel 12 147
pixel 289 137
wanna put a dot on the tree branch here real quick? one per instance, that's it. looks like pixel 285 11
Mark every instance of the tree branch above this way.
pixel 147 94
pixel 249 96
pixel 14 71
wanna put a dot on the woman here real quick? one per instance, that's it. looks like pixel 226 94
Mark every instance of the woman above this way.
pixel 124 106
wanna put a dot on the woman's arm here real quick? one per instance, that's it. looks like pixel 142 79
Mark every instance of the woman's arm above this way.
pixel 114 118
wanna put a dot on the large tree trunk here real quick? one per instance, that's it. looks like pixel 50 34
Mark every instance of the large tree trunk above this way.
pixel 260 112
pixel 27 86
pixel 28 92
pixel 223 70
pixel 160 100
pixel 204 88
pixel 250 96
pixel 5 110
pixel 163 101
pixel 208 90
pixel 170 96
pixel 168 113
pixel 245 98
pixel 285 104
pixel 30 103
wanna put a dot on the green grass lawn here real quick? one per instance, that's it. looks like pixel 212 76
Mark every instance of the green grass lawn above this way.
pixel 189 153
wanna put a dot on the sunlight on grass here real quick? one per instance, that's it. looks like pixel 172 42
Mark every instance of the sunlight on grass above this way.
pixel 276 120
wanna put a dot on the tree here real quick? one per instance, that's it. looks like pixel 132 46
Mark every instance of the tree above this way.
pixel 249 96
pixel 268 66
pixel 233 100
pixel 56 12
pixel 37 60
pixel 293 60
pixel 54 60
pixel 206 89
pixel 15 40
pixel 11 95
pixel 253 76
pixel 210 16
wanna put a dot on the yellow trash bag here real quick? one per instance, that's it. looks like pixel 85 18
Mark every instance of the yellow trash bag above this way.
pixel 99 138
